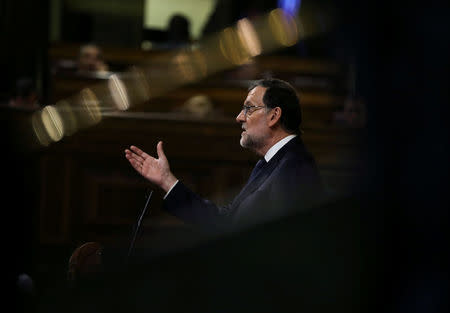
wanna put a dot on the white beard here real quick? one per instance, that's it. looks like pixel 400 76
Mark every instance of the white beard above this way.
pixel 251 142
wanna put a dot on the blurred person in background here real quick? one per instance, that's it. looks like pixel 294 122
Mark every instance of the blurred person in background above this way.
pixel 90 60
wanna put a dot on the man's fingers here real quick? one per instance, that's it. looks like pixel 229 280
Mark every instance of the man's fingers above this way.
pixel 139 152
pixel 130 154
pixel 136 165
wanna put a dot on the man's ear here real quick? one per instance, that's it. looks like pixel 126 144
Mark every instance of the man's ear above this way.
pixel 274 116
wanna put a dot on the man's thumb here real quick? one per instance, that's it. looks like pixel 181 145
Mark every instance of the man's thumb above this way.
pixel 160 151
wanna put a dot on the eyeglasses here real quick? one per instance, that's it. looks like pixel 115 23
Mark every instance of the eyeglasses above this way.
pixel 249 109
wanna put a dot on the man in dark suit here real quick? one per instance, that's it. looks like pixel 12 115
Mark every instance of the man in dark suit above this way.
pixel 284 180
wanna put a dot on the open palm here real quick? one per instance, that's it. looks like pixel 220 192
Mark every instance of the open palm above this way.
pixel 156 170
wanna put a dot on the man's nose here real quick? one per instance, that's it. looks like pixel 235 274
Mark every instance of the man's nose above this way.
pixel 241 117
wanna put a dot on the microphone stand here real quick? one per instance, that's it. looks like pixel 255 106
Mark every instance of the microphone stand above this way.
pixel 138 224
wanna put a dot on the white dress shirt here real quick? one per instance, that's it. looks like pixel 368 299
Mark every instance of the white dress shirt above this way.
pixel 276 147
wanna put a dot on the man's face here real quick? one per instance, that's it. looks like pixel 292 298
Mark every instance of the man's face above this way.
pixel 254 123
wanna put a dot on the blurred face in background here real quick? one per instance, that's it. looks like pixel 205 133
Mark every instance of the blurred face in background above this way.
pixel 90 59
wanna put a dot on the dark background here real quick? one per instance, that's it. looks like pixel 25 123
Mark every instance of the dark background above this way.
pixel 402 54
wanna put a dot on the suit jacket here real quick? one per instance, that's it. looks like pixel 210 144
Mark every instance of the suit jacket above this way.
pixel 289 182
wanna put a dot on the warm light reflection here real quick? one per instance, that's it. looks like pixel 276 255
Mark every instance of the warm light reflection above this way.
pixel 141 84
pixel 248 36
pixel 52 122
pixel 118 92
pixel 38 128
pixel 199 63
pixel 283 27
pixel 68 117
pixel 231 47
pixel 91 108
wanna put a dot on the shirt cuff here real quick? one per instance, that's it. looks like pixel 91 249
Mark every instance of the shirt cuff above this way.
pixel 170 189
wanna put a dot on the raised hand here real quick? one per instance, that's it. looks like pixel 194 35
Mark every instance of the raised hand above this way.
pixel 156 171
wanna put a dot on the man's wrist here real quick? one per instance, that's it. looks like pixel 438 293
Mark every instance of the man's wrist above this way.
pixel 169 182
pixel 167 193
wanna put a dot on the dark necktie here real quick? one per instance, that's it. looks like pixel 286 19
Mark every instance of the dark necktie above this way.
pixel 256 170
pixel 259 165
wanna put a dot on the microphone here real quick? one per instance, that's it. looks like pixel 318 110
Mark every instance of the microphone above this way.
pixel 138 224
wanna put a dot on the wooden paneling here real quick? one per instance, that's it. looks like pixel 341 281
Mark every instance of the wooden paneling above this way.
pixel 90 192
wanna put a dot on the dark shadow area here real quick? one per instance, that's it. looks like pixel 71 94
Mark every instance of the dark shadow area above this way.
pixel 308 262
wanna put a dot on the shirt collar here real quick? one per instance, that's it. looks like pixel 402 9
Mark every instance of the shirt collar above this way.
pixel 276 147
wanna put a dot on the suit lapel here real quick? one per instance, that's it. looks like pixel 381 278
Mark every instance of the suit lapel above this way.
pixel 254 184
